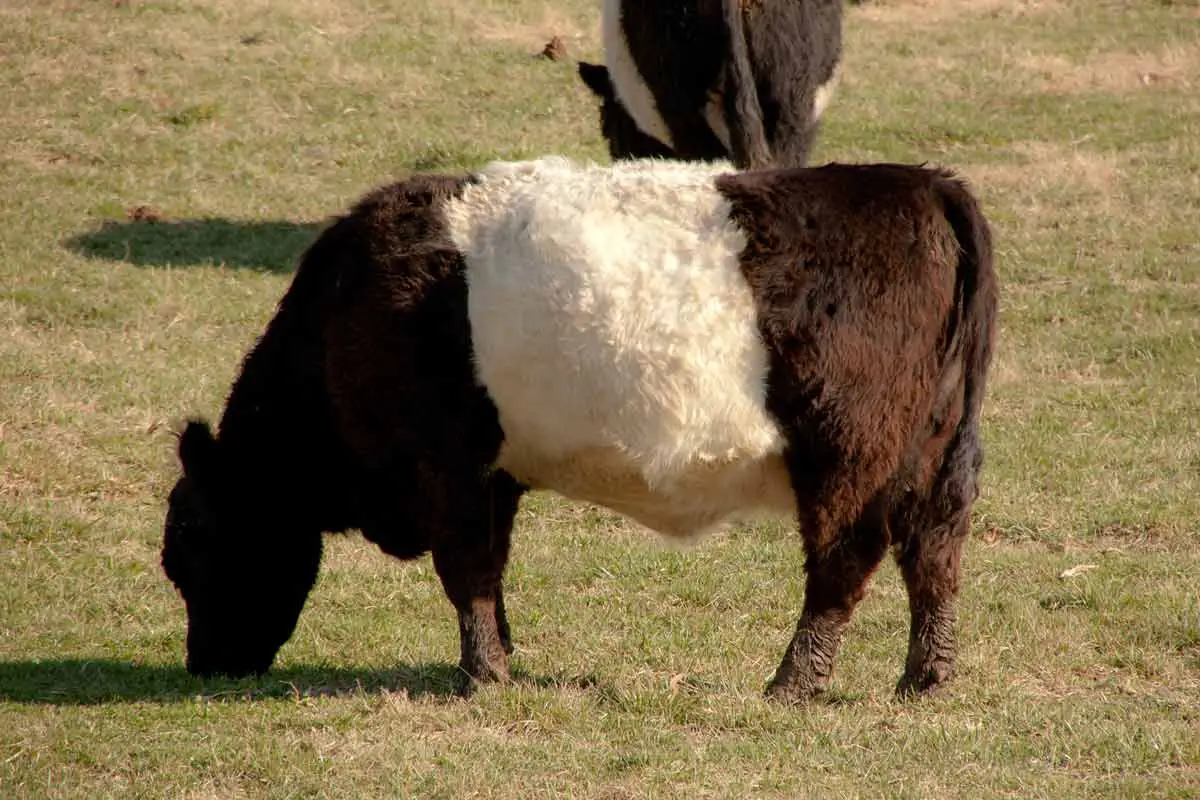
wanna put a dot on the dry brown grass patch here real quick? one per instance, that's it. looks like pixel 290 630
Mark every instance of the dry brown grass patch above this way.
pixel 1044 166
pixel 922 13
pixel 1170 67
pixel 330 18
pixel 532 31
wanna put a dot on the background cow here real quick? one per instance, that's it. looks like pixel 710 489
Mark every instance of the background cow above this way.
pixel 673 341
pixel 715 79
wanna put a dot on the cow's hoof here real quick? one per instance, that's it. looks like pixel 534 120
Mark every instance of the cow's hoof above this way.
pixel 790 690
pixel 483 672
pixel 468 683
pixel 924 682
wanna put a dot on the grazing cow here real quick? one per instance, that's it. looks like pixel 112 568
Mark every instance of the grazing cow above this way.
pixel 716 79
pixel 675 341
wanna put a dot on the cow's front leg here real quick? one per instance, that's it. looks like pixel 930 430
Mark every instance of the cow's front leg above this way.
pixel 837 579
pixel 469 553
pixel 482 657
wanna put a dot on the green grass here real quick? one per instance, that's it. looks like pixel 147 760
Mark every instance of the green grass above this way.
pixel 241 126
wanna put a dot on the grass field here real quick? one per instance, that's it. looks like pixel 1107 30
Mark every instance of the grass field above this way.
pixel 240 126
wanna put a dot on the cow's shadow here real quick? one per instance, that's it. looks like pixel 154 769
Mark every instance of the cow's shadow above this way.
pixel 81 682
pixel 84 682
pixel 261 245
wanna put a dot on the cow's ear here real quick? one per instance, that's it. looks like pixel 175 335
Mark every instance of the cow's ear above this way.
pixel 595 77
pixel 198 451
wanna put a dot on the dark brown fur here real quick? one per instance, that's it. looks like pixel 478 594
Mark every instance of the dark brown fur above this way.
pixel 358 409
pixel 877 303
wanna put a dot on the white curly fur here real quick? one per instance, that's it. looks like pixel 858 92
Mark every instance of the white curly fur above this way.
pixel 616 335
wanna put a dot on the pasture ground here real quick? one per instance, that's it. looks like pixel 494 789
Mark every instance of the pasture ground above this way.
pixel 241 125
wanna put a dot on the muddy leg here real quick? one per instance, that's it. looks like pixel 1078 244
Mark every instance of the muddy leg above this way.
pixel 837 580
pixel 929 561
pixel 469 554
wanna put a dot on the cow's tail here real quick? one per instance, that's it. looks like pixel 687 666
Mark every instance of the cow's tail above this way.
pixel 971 341
pixel 743 114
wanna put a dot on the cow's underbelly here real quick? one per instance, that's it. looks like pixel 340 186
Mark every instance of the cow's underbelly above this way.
pixel 696 499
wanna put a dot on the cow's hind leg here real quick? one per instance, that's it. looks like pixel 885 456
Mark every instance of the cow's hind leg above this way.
pixel 929 530
pixel 470 550
pixel 929 557
pixel 838 569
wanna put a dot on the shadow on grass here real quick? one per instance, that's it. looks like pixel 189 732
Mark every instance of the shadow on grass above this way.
pixel 87 682
pixel 81 682
pixel 266 246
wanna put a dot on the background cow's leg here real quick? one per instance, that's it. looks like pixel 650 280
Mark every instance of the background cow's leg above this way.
pixel 470 550
pixel 837 579
pixel 929 542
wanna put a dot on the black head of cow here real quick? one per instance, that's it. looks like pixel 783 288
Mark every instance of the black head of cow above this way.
pixel 625 139
pixel 244 591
